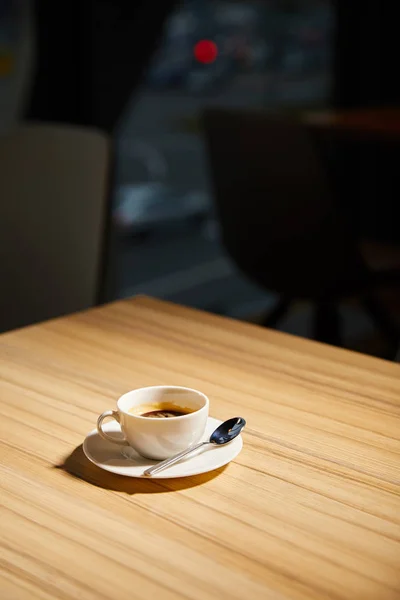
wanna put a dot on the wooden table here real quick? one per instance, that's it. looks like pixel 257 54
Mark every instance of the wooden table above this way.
pixel 309 509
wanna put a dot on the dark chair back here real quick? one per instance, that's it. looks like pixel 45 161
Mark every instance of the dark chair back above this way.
pixel 277 214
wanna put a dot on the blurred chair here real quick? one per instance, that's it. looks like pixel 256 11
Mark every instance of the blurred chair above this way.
pixel 53 217
pixel 280 223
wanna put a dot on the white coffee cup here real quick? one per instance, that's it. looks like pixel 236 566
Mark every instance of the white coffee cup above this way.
pixel 158 438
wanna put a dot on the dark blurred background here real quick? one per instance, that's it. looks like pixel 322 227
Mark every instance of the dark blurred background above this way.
pixel 136 71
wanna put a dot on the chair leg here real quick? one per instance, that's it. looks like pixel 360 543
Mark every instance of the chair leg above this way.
pixel 327 323
pixel 388 326
pixel 397 357
pixel 277 313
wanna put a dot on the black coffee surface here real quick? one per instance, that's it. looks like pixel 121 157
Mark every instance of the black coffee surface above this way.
pixel 163 414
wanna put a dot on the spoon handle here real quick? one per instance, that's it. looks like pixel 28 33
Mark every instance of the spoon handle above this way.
pixel 171 461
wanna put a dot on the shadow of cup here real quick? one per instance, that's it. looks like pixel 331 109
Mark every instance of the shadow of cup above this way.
pixel 77 465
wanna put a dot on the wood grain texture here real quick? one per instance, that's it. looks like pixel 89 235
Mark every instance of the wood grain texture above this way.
pixel 309 509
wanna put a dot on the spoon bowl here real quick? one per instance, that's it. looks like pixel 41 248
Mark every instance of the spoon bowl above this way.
pixel 227 431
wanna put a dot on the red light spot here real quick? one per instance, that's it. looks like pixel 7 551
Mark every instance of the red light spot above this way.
pixel 205 51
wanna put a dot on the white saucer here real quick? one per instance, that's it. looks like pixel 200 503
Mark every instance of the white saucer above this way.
pixel 125 461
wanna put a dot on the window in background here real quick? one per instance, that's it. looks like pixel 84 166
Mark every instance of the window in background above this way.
pixel 16 59
pixel 251 54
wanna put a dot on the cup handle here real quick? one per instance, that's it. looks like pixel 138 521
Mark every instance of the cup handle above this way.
pixel 113 414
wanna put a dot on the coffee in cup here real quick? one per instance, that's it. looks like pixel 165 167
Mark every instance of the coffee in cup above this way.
pixel 160 410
